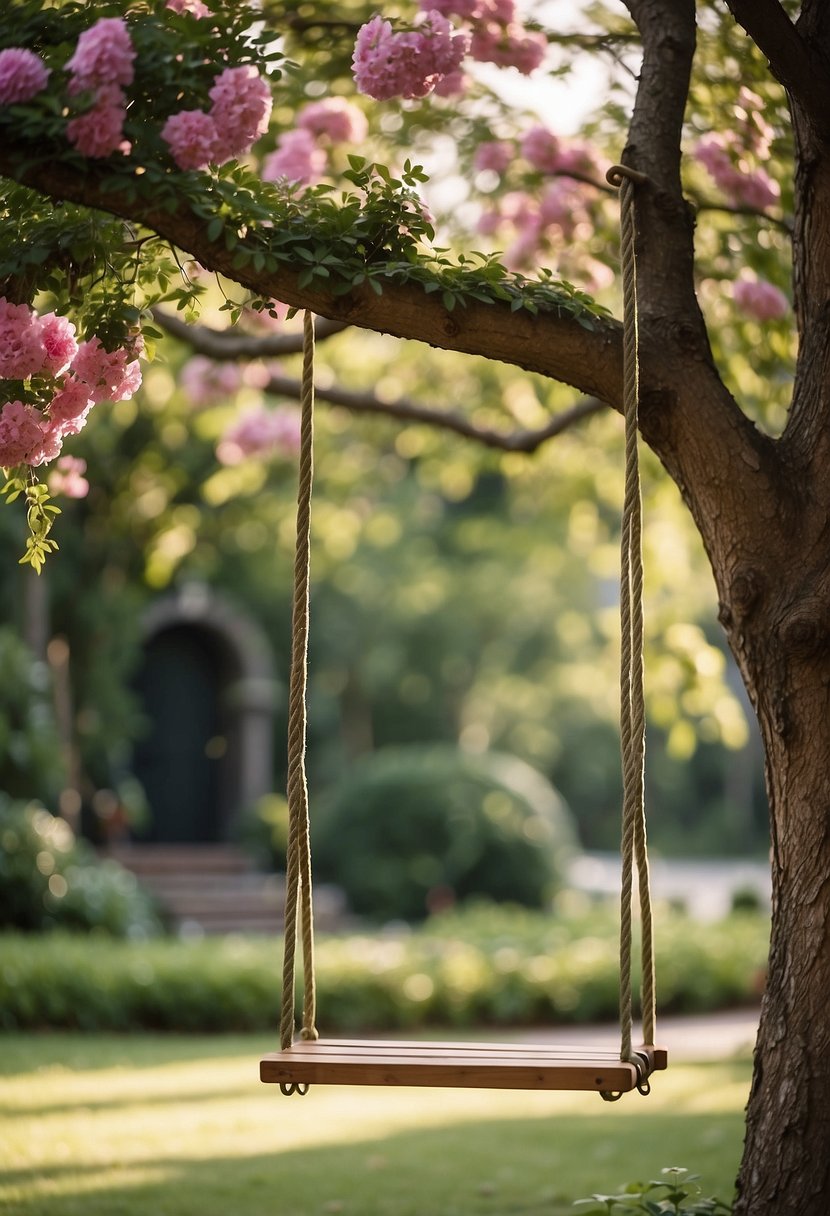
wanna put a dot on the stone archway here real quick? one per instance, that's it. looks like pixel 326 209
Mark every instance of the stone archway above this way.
pixel 208 691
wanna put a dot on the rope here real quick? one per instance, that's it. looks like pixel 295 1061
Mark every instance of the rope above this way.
pixel 632 696
pixel 298 905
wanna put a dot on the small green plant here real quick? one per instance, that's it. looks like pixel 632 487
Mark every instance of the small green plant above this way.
pixel 676 1192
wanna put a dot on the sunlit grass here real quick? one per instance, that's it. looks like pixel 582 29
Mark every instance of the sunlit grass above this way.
pixel 182 1127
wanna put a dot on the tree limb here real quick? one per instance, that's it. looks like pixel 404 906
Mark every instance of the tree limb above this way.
pixel 225 345
pixel 687 415
pixel 802 71
pixel 551 343
pixel 410 411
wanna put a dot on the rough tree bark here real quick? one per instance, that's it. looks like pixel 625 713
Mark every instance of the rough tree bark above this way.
pixel 762 507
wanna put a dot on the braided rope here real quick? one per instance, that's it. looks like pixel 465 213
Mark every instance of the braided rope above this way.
pixel 298 860
pixel 632 695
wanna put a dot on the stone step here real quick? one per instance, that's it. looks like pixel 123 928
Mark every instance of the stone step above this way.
pixel 214 889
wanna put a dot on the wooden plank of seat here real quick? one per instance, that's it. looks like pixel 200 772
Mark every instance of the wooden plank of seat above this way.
pixel 452 1065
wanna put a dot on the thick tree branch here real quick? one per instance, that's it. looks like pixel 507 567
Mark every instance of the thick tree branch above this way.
pixel 556 345
pixel 411 411
pixel 798 66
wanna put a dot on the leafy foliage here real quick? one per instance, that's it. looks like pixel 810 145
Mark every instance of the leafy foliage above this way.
pixel 676 1192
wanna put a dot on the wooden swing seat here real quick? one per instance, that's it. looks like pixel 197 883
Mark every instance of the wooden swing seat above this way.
pixel 455 1065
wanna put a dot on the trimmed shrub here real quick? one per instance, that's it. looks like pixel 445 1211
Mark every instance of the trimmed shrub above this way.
pixel 413 829
pixel 51 880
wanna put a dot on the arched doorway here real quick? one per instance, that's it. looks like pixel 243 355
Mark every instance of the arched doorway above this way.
pixel 207 693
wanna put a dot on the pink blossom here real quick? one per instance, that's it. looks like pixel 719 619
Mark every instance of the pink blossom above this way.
pixel 759 299
pixel 261 432
pixel 206 382
pixel 754 188
pixel 562 206
pixel 104 55
pixel 406 64
pixel 21 433
pixel 488 223
pixel 712 154
pixel 71 402
pixel 192 138
pixel 67 478
pixel 541 148
pixel 579 159
pixel 297 159
pixel 495 155
pixel 49 446
pixel 23 75
pixel 743 186
pixel 335 118
pixel 100 131
pixel 21 346
pixel 109 375
pixel 241 110
pixel 509 46
pixel 452 84
pixel 59 346
pixel 196 7
pixel 524 252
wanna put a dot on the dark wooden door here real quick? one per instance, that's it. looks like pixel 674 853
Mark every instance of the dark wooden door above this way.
pixel 178 761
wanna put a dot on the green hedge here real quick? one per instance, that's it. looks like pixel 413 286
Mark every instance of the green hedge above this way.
pixel 473 968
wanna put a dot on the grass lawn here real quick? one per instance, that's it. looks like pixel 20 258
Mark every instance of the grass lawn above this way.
pixel 165 1126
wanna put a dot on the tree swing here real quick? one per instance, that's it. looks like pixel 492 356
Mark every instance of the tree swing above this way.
pixel 479 1065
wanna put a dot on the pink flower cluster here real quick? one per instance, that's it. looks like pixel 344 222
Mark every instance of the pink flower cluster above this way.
pixel 239 114
pixel 731 159
pixel 494 155
pixel 333 118
pixel 31 345
pixel 206 382
pixel 743 186
pixel 407 63
pixel 497 36
pixel 67 477
pixel 553 222
pixel 196 7
pixel 261 432
pixel 45 348
pixel 758 298
pixel 101 65
pixel 298 156
pixel 547 153
pixel 23 75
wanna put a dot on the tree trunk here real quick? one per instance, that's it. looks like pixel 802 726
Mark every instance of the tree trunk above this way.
pixel 780 637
